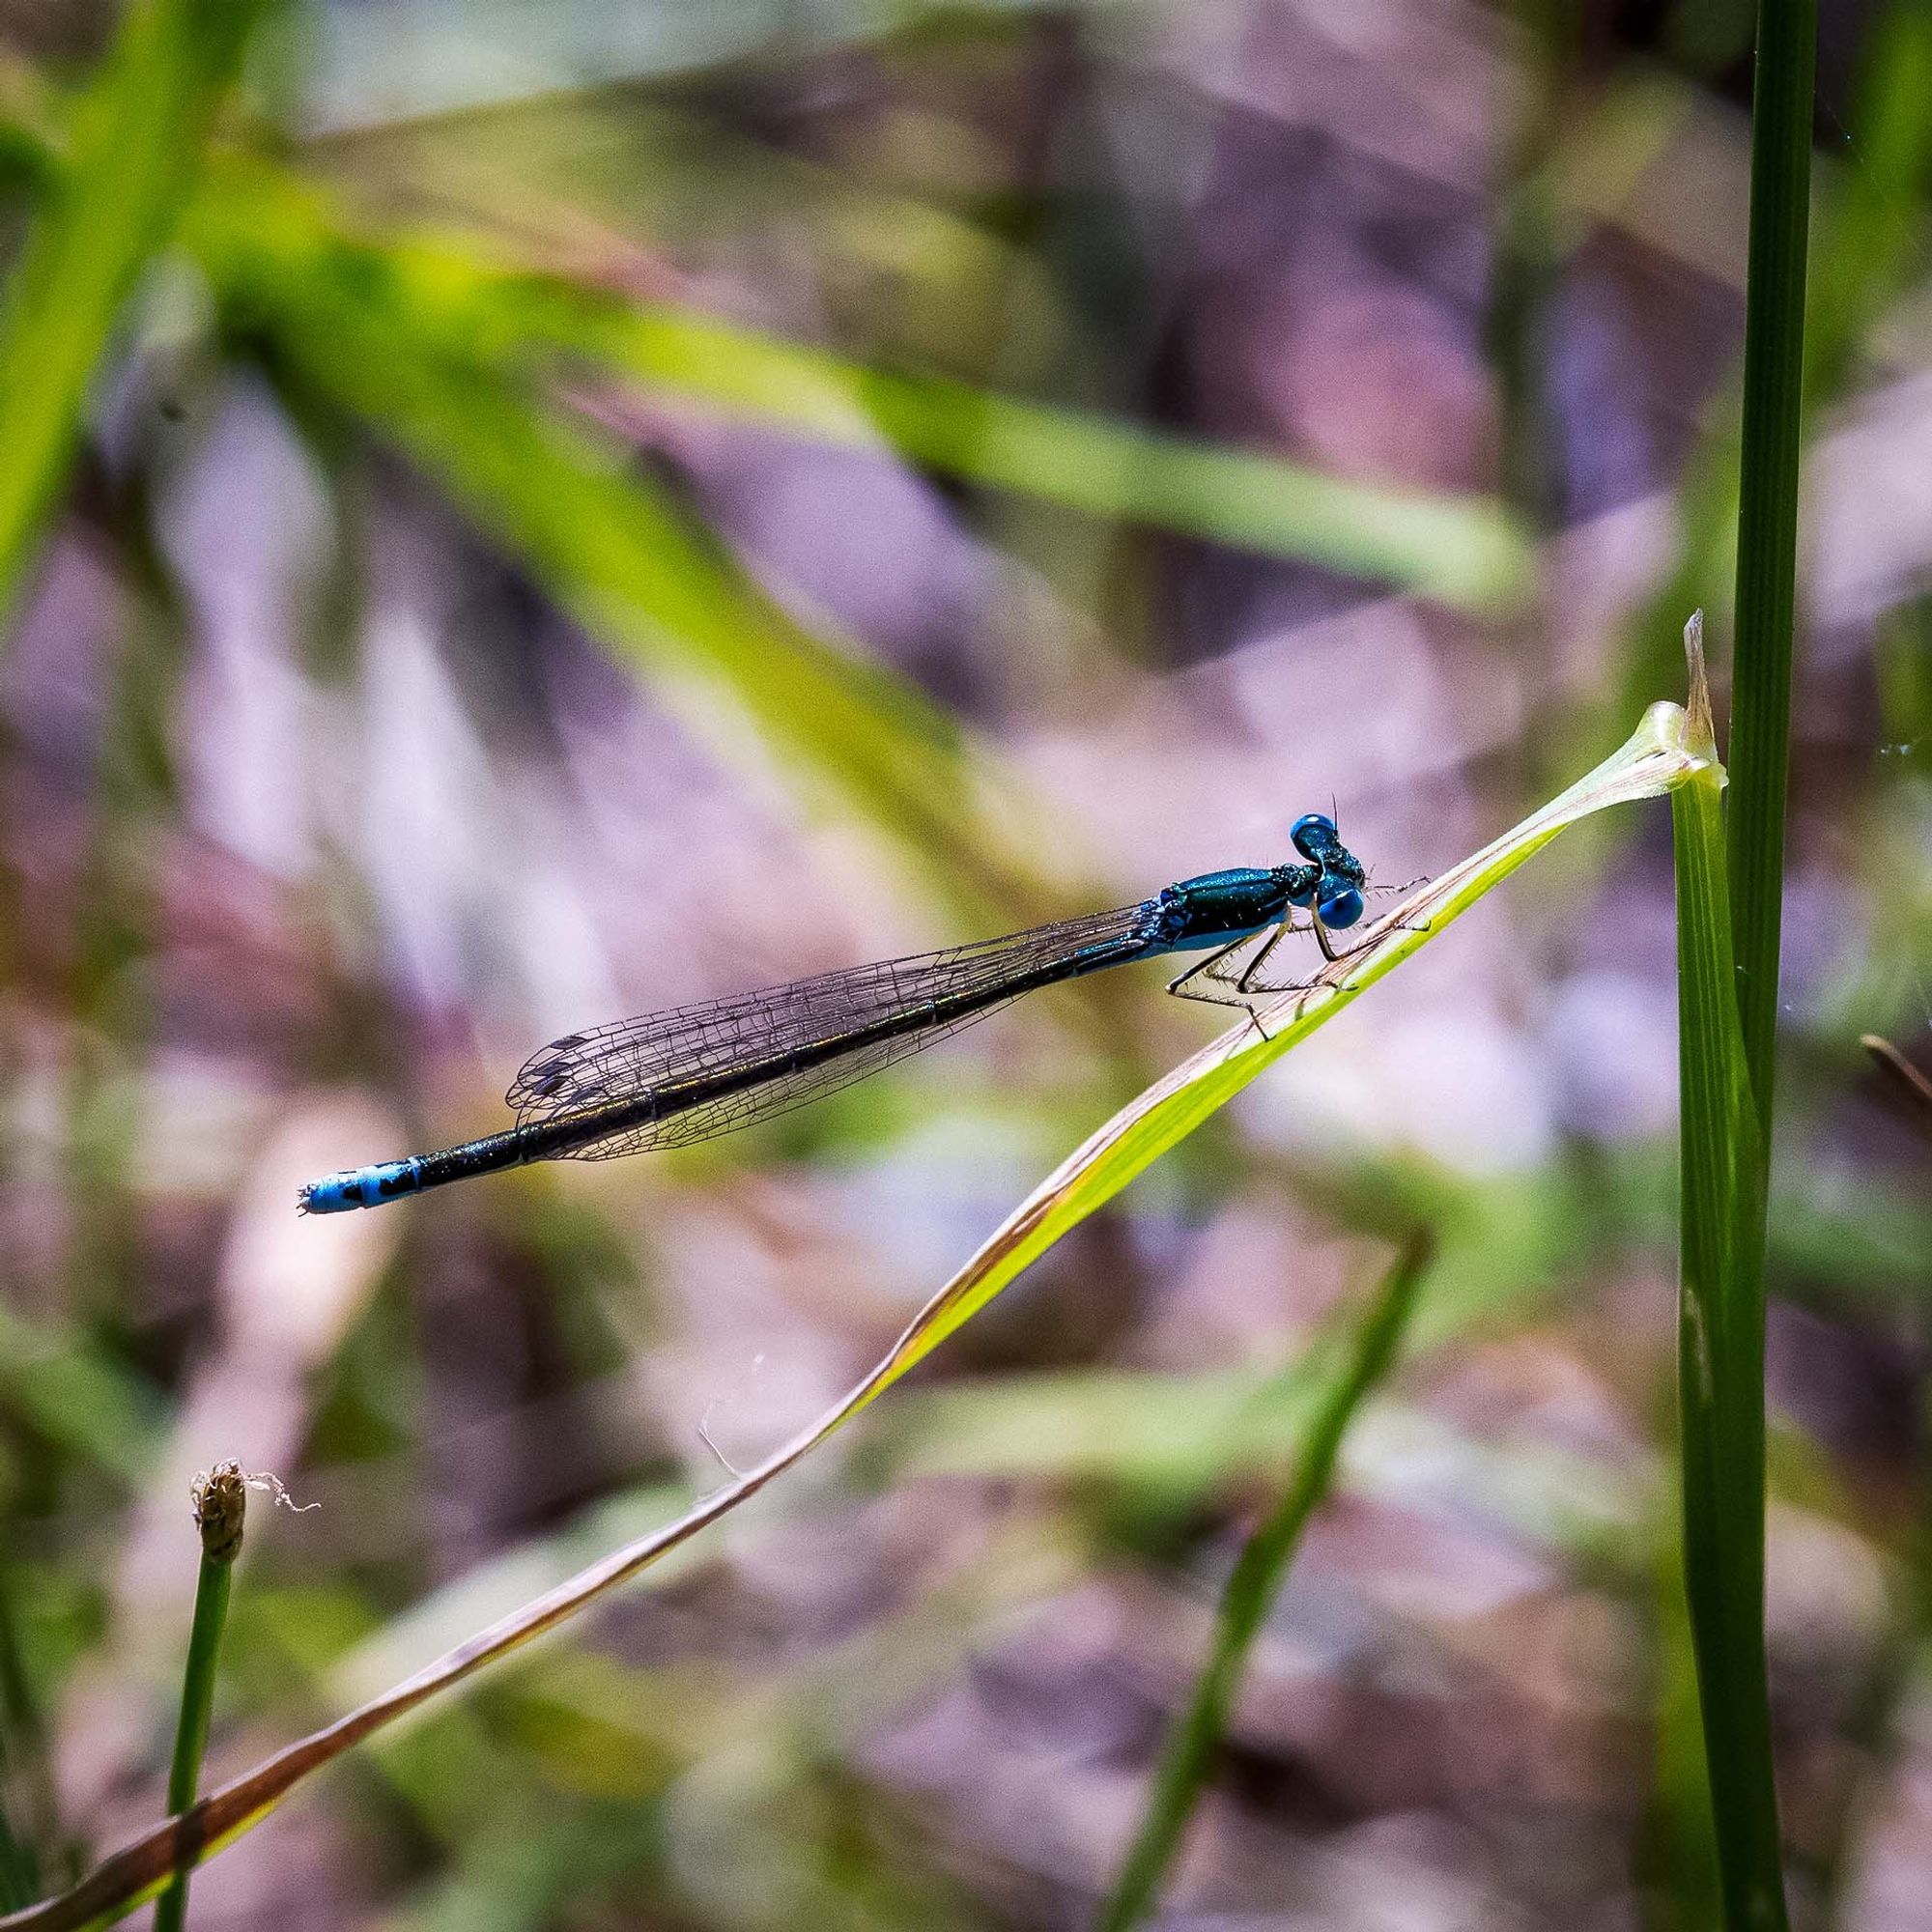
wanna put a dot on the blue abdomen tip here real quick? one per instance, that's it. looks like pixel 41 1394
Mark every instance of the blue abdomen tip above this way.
pixel 361 1188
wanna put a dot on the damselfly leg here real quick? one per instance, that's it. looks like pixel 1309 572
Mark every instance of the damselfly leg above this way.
pixel 1336 955
pixel 1183 985
pixel 1241 988
pixel 1375 933
pixel 1247 985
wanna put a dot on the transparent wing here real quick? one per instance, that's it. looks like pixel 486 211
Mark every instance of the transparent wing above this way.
pixel 628 1058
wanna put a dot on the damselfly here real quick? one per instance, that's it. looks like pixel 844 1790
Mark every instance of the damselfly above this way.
pixel 693 1072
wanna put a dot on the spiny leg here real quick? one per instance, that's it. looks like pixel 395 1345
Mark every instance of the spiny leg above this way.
pixel 1245 983
pixel 1368 942
pixel 1371 939
pixel 1179 984
pixel 1203 970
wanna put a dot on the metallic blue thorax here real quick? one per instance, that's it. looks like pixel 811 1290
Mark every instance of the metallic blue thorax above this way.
pixel 1219 906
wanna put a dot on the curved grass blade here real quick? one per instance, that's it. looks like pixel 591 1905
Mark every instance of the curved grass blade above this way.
pixel 1660 756
pixel 1911 1084
pixel 1250 1594
pixel 1461 551
pixel 261 232
pixel 1465 552
pixel 372 331
pixel 137 136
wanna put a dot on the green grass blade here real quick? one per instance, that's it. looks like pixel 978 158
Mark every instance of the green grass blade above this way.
pixel 221 1505
pixel 138 133
pixel 1652 761
pixel 19 1869
pixel 1780 203
pixel 1864 258
pixel 1657 758
pixel 1730 872
pixel 1676 1849
pixel 1250 1594
pixel 1720 1364
pixel 90 1405
pixel 1463 550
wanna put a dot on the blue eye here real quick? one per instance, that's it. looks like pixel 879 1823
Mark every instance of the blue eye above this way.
pixel 1313 835
pixel 1340 904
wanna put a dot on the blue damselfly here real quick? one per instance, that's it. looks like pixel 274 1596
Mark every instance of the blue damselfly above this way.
pixel 693 1073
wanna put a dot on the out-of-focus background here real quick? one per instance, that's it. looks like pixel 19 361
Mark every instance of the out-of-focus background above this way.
pixel 613 505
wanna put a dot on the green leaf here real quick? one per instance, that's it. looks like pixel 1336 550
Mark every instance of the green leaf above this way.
pixel 1251 1590
pixel 137 137
pixel 1655 759
pixel 93 1407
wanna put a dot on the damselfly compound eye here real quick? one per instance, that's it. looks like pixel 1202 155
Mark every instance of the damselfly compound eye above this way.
pixel 1313 835
pixel 1338 904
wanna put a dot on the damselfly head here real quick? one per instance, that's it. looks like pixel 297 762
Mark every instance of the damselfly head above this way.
pixel 1342 864
pixel 1338 890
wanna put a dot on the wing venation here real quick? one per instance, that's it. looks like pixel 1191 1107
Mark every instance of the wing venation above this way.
pixel 629 1058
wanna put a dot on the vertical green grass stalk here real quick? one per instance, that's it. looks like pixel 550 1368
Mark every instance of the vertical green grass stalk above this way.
pixel 1780 202
pixel 137 137
pixel 1675 1854
pixel 1250 1594
pixel 38 1849
pixel 1731 878
pixel 1720 1363
pixel 220 1503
